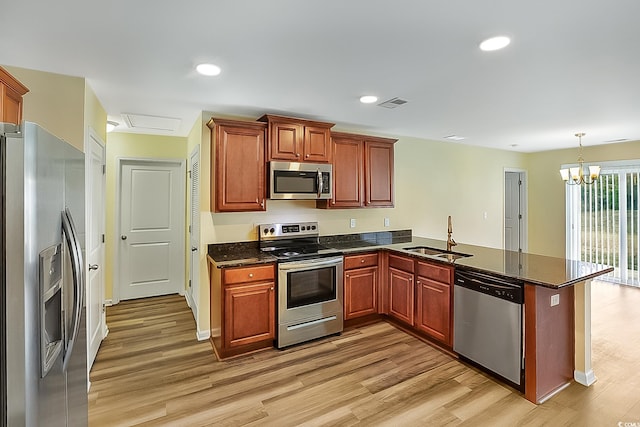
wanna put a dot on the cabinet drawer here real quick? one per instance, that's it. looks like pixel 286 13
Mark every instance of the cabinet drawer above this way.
pixel 248 274
pixel 359 261
pixel 438 273
pixel 401 263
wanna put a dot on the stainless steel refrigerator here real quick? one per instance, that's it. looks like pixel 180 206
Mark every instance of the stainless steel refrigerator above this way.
pixel 44 362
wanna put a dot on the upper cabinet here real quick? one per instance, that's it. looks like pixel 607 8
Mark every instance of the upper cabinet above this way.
pixel 11 93
pixel 238 157
pixel 298 140
pixel 362 171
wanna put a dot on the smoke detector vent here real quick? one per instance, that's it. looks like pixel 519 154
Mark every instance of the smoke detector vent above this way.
pixel 393 103
pixel 157 123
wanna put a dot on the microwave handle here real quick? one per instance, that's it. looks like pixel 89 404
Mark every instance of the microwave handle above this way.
pixel 319 178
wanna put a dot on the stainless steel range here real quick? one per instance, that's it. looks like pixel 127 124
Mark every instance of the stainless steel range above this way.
pixel 309 282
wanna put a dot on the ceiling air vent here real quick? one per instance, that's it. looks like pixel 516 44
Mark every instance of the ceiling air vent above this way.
pixel 139 121
pixel 393 103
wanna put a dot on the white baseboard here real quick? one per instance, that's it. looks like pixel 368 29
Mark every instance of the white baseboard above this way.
pixel 585 378
pixel 202 335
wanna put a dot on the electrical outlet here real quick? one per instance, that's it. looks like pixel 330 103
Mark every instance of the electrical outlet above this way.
pixel 352 224
pixel 386 222
pixel 555 299
pixel 484 215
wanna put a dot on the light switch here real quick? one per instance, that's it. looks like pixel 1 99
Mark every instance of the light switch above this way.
pixel 353 223
pixel 386 222
pixel 555 299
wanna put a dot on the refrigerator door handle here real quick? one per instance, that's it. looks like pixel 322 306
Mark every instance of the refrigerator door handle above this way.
pixel 75 252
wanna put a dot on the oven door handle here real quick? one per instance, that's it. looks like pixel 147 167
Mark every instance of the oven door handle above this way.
pixel 309 263
pixel 320 185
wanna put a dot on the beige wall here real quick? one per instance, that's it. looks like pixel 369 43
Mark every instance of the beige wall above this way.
pixel 95 116
pixel 125 145
pixel 54 101
pixel 547 226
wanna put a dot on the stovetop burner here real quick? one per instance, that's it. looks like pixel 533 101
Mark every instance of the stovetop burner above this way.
pixel 292 241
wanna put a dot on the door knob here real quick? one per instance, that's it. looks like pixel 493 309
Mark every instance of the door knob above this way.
pixel 93 266
pixel 123 237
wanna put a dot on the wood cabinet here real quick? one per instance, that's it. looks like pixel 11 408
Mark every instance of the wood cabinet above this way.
pixel 11 93
pixel 362 172
pixel 238 159
pixel 243 305
pixel 434 301
pixel 298 140
pixel 360 285
pixel 401 289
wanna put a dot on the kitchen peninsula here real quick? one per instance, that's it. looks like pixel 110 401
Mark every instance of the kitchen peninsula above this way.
pixel 556 313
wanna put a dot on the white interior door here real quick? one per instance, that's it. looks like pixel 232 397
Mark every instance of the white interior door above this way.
pixel 95 197
pixel 152 228
pixel 512 211
pixel 194 231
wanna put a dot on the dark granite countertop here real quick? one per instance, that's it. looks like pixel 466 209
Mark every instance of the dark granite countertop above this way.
pixel 534 269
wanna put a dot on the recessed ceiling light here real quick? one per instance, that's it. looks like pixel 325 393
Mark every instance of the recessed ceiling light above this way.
pixel 368 99
pixel 454 137
pixel 208 69
pixel 495 43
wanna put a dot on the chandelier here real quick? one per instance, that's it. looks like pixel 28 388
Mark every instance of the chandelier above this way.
pixel 577 175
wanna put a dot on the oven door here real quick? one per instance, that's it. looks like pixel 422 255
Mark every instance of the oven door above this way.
pixel 309 289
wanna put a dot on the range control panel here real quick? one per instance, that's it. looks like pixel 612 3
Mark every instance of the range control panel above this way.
pixel 287 231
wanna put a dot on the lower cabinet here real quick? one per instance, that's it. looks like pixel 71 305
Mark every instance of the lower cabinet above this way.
pixel 360 285
pixel 243 308
pixel 249 314
pixel 401 288
pixel 434 301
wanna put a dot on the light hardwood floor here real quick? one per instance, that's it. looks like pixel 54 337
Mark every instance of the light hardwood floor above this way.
pixel 152 371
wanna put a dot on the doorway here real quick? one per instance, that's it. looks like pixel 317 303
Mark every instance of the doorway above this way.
pixel 194 233
pixel 151 223
pixel 515 210
pixel 95 196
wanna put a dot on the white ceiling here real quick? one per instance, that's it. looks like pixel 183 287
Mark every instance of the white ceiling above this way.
pixel 572 66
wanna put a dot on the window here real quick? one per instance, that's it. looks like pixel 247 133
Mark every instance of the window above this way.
pixel 603 221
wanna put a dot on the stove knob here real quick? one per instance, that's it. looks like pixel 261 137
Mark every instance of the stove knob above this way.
pixel 302 228
pixel 272 230
pixel 313 227
pixel 265 231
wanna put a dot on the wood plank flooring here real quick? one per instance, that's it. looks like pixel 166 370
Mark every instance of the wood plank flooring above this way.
pixel 151 371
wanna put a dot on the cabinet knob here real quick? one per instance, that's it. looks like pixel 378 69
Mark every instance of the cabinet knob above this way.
pixel 418 282
pixel 297 154
pixel 362 261
pixel 271 288
pixel 307 156
pixel 347 276
pixel 250 274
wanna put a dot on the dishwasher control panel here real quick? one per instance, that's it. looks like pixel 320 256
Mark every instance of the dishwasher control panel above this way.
pixel 503 288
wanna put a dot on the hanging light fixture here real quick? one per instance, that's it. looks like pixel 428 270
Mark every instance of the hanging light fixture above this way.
pixel 576 175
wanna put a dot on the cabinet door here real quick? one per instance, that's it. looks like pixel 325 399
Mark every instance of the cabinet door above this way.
pixel 317 144
pixel 249 315
pixel 379 174
pixel 348 173
pixel 239 159
pixel 433 315
pixel 285 141
pixel 11 104
pixel 401 295
pixel 360 293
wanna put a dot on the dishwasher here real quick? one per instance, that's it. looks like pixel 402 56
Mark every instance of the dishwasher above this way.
pixel 488 324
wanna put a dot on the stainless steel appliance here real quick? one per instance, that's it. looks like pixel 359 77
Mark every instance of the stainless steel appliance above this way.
pixel 44 359
pixel 291 180
pixel 310 282
pixel 487 324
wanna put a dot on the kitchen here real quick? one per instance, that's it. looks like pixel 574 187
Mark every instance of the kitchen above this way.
pixel 464 172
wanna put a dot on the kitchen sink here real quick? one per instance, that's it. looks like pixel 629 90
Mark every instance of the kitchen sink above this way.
pixel 425 251
pixel 449 256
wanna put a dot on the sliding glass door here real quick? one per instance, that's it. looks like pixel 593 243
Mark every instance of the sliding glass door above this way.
pixel 603 222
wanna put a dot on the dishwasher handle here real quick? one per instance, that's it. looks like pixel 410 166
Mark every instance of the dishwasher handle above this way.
pixel 497 287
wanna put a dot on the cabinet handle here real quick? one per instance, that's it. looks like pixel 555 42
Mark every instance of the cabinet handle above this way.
pixel 250 274
pixel 262 203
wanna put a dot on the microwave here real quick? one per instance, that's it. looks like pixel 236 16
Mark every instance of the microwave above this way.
pixel 300 181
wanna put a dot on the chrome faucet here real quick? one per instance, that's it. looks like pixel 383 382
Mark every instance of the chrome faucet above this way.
pixel 450 241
